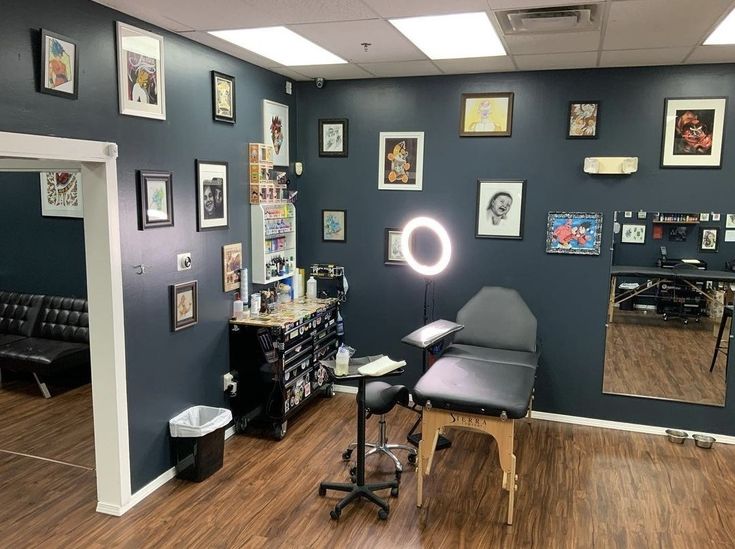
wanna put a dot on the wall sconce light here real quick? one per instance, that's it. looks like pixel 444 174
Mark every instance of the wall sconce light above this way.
pixel 611 165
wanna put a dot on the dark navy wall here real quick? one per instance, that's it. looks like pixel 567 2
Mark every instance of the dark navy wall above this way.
pixel 42 255
pixel 567 293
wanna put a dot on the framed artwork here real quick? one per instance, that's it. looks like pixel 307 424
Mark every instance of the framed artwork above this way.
pixel 140 76
pixel 333 137
pixel 715 216
pixel 486 114
pixel 678 234
pixel 500 208
pixel 401 161
pixel 275 130
pixel 393 250
pixel 657 232
pixel 184 305
pixel 693 130
pixel 730 221
pixel 633 234
pixel 708 238
pixel 155 199
pixel 574 233
pixel 231 266
pixel 59 65
pixel 61 194
pixel 334 226
pixel 704 216
pixel 223 97
pixel 211 195
pixel 584 120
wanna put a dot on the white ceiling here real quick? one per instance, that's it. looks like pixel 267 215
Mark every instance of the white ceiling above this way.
pixel 629 33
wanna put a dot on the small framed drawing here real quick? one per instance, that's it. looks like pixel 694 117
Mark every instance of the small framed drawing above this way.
pixel 61 194
pixel 140 78
pixel 633 234
pixel 693 130
pixel 401 161
pixel 223 97
pixel 574 233
pixel 231 266
pixel 730 221
pixel 708 238
pixel 704 216
pixel 275 130
pixel 393 250
pixel 486 114
pixel 333 137
pixel 155 199
pixel 211 195
pixel 334 226
pixel 499 211
pixel 584 120
pixel 59 65
pixel 184 305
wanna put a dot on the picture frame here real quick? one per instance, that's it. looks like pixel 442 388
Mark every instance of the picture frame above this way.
pixel 564 229
pixel 633 233
pixel 730 221
pixel 693 130
pixel 61 194
pixel 704 216
pixel 231 266
pixel 401 161
pixel 223 97
pixel 141 82
pixel 709 239
pixel 59 67
pixel 276 130
pixel 583 120
pixel 500 209
pixel 212 195
pixel 393 252
pixel 486 114
pixel 155 199
pixel 334 225
pixel 333 137
pixel 184 305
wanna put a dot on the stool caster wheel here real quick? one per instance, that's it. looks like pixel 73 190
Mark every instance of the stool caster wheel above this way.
pixel 382 514
pixel 412 459
pixel 353 471
pixel 335 513
pixel 347 454
pixel 398 476
pixel 241 424
pixel 322 491
pixel 394 492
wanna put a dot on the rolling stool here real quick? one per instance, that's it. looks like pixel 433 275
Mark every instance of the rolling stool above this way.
pixel 726 313
pixel 380 398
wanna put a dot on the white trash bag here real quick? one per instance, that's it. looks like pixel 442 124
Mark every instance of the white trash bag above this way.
pixel 198 421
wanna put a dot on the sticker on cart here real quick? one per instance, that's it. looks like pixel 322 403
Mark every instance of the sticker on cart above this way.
pixel 307 387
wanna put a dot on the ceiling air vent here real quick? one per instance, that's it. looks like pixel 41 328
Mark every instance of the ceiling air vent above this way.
pixel 546 20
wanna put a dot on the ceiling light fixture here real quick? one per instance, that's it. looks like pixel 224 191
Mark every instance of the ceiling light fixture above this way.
pixel 724 33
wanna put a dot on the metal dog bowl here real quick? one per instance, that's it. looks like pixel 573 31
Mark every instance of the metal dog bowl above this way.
pixel 704 441
pixel 677 437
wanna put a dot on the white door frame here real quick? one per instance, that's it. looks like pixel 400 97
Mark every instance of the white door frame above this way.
pixel 97 162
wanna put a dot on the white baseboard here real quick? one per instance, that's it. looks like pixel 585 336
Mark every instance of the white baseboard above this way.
pixel 345 389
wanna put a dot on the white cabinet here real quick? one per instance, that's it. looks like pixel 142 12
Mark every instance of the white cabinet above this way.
pixel 273 229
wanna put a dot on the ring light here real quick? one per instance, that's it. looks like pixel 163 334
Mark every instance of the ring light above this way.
pixel 441 233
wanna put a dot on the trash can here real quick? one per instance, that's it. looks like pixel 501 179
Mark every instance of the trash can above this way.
pixel 199 441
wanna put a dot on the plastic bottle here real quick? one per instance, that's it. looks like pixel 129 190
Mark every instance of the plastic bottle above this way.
pixel 311 288
pixel 343 361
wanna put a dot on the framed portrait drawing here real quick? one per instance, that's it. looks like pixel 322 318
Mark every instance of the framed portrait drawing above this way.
pixel 401 161
pixel 730 221
pixel 156 203
pixel 140 73
pixel 574 233
pixel 633 234
pixel 59 65
pixel 693 131
pixel 393 250
pixel 223 97
pixel 708 239
pixel 499 212
pixel 61 194
pixel 211 195
pixel 584 120
pixel 334 226
pixel 333 137
pixel 184 305
pixel 275 130
pixel 231 266
pixel 486 115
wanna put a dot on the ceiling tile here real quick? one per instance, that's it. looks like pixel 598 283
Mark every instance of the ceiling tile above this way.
pixel 525 4
pixel 409 8
pixel 639 58
pixel 520 44
pixel 478 64
pixel 576 60
pixel 713 54
pixel 401 68
pixel 147 12
pixel 332 72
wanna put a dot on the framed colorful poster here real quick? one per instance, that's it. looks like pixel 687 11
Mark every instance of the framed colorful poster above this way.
pixel 708 238
pixel 275 130
pixel 693 132
pixel 223 97
pixel 231 267
pixel 155 199
pixel 211 195
pixel 401 161
pixel 333 137
pixel 59 65
pixel 574 233
pixel 393 250
pixel 141 81
pixel 61 194
pixel 334 226
pixel 184 305
pixel 486 115
pixel 633 234
pixel 584 120
pixel 499 211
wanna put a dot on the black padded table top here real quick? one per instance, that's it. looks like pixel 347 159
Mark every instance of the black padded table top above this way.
pixel 476 387
pixel 682 273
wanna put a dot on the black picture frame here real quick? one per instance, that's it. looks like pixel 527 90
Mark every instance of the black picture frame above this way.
pixel 337 147
pixel 578 120
pixel 340 235
pixel 389 257
pixel 493 225
pixel 674 150
pixel 215 175
pixel 220 110
pixel 44 66
pixel 184 305
pixel 703 232
pixel 150 183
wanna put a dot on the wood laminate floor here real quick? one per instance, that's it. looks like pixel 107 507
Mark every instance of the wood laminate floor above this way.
pixel 578 487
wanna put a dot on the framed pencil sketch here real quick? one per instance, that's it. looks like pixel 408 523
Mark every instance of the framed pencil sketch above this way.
pixel 334 226
pixel 401 161
pixel 693 132
pixel 223 97
pixel 633 234
pixel 584 120
pixel 141 80
pixel 211 195
pixel 574 233
pixel 59 65
pixel 730 221
pixel 155 199
pixel 231 266
pixel 275 130
pixel 500 206
pixel 486 115
pixel 708 239
pixel 184 305
pixel 333 137
pixel 393 249
pixel 61 194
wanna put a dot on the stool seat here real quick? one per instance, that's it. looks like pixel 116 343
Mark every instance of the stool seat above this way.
pixel 381 397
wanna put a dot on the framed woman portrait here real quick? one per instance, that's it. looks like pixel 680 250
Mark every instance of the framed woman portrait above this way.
pixel 500 206
pixel 486 114
pixel 156 203
pixel 584 120
pixel 708 237
pixel 140 79
pixel 59 65
pixel 333 137
pixel 223 97
pixel 184 305
pixel 211 195
pixel 693 132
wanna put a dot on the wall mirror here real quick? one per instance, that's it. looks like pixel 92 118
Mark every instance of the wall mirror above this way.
pixel 669 318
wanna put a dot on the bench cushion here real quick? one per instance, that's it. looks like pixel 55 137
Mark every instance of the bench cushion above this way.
pixel 43 356
pixel 521 358
pixel 18 313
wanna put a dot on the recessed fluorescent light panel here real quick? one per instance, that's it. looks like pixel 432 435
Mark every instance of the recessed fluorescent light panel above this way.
pixel 724 33
pixel 281 45
pixel 457 36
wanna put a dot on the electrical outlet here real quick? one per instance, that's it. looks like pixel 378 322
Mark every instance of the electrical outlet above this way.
pixel 289 88
pixel 183 261
pixel 228 380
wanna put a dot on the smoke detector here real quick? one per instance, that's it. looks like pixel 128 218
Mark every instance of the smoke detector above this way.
pixel 584 17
